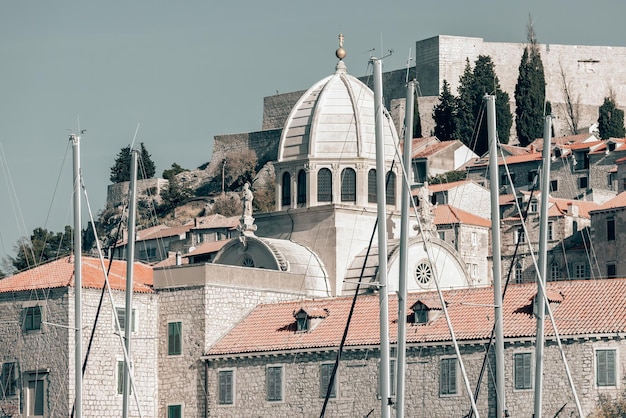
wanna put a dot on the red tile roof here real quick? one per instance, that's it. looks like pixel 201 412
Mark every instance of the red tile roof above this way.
pixel 443 186
pixel 618 201
pixel 208 247
pixel 446 214
pixel 432 149
pixel 587 308
pixel 564 140
pixel 60 273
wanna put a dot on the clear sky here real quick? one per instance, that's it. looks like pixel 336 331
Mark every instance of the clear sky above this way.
pixel 186 71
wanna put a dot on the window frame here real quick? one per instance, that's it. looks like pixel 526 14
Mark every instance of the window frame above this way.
pixel 583 182
pixel 611 270
pixel 615 378
pixel 348 185
pixel 390 188
pixel 371 186
pixel 325 180
pixel 174 405
pixel 271 387
pixel 285 195
pixel 36 377
pixel 8 379
pixel 173 350
pixel 301 188
pixel 525 381
pixel 448 385
pixel 28 311
pixel 228 392
pixel 326 371
pixel 133 325
pixel 578 269
pixel 610 228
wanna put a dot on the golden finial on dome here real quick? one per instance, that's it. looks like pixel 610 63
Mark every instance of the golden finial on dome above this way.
pixel 340 53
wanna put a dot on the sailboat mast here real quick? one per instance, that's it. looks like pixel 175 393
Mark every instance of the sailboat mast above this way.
pixel 78 282
pixel 496 255
pixel 404 246
pixel 543 265
pixel 384 379
pixel 130 261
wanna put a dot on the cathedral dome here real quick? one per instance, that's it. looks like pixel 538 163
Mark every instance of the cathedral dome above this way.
pixel 334 120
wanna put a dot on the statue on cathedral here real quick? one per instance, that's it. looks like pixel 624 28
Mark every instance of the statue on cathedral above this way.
pixel 246 198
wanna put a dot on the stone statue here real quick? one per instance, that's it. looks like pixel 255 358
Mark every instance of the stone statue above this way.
pixel 247 197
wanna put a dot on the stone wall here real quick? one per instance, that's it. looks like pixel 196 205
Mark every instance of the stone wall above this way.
pixel 51 351
pixel 357 392
pixel 208 307
pixel 117 194
pixel 590 72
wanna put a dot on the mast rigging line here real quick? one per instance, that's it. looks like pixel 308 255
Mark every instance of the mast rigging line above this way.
pixel 548 308
pixel 117 323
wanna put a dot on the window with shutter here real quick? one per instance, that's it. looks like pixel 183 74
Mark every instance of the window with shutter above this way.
pixel 225 387
pixel 326 371
pixel 605 368
pixel 174 338
pixel 447 377
pixel 274 379
pixel 523 363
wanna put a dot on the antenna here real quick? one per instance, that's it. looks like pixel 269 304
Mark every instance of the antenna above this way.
pixel 134 137
pixel 408 66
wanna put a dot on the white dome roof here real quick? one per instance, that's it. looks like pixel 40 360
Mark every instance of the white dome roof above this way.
pixel 334 120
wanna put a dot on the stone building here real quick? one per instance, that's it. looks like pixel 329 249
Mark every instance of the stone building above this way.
pixel 431 157
pixel 607 236
pixel 278 361
pixel 37 340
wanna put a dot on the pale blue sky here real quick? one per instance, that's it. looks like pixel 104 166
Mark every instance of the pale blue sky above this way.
pixel 189 70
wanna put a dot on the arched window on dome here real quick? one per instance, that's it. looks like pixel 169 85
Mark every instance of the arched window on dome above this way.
pixel 324 185
pixel 286 198
pixel 390 188
pixel 348 185
pixel 301 187
pixel 371 186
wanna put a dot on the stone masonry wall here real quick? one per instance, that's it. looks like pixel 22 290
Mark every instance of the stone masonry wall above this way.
pixel 357 391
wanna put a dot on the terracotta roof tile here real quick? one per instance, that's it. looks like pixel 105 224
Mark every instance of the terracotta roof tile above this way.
pixel 618 201
pixel 208 247
pixel 60 273
pixel 587 308
pixel 447 214
pixel 444 186
pixel 432 149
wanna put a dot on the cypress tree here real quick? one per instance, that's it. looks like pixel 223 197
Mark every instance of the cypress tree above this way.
pixel 121 169
pixel 611 120
pixel 417 122
pixel 530 93
pixel 474 85
pixel 444 114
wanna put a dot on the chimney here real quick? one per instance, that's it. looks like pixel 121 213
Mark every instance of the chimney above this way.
pixel 572 209
pixel 179 259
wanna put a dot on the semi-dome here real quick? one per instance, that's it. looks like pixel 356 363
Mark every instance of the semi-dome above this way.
pixel 334 120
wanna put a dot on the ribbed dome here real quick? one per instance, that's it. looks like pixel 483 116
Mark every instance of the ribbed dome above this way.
pixel 334 119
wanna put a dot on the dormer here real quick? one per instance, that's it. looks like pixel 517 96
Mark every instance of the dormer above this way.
pixel 307 319
pixel 553 297
pixel 425 310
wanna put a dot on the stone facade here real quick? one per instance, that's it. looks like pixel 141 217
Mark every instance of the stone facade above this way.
pixel 358 388
pixel 50 351
pixel 117 194
pixel 208 300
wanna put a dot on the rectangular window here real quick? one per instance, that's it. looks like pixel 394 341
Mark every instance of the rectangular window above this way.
pixel 520 236
pixel 610 229
pixel 611 272
pixel 532 206
pixel 550 231
pixel 326 371
pixel 555 271
pixel 174 411
pixel 447 378
pixel 121 317
pixel 580 271
pixel 226 381
pixel 605 368
pixel 523 364
pixel 8 380
pixel 36 394
pixel 32 318
pixel 274 383
pixel 582 182
pixel 610 181
pixel 554 185
pixel 442 235
pixel 174 338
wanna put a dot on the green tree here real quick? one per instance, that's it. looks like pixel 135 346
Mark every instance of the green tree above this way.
pixel 448 177
pixel 173 195
pixel 444 114
pixel 417 122
pixel 611 120
pixel 473 87
pixel 42 246
pixel 530 93
pixel 120 171
pixel 173 171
